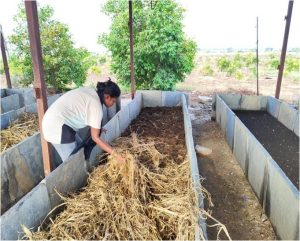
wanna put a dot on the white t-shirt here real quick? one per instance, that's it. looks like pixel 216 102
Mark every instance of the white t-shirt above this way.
pixel 77 108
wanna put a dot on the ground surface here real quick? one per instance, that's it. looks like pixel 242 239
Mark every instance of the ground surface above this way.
pixel 235 204
pixel 279 141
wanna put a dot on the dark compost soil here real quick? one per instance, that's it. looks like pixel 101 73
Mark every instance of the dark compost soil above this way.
pixel 279 141
pixel 164 125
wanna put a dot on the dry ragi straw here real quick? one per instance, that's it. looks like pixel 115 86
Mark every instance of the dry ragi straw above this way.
pixel 26 125
pixel 150 197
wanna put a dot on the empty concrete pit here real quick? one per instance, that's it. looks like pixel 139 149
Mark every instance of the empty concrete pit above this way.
pixel 234 201
pixel 266 149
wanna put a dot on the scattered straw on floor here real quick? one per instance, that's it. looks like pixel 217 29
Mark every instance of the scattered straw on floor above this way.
pixel 26 125
pixel 150 197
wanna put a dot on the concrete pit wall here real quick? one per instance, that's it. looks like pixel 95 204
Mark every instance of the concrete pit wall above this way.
pixel 14 99
pixel 277 194
pixel 8 117
pixel 72 174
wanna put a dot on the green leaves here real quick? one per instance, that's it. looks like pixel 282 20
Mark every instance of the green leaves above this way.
pixel 162 54
pixel 63 63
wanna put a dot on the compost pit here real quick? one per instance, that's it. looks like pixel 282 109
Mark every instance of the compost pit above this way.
pixel 281 143
pixel 156 135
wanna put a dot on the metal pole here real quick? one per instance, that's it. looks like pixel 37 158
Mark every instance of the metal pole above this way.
pixel 4 59
pixel 257 90
pixel 131 50
pixel 284 47
pixel 39 77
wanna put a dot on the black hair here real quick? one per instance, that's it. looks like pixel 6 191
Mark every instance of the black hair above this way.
pixel 108 87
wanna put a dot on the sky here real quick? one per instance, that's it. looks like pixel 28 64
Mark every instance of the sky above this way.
pixel 211 23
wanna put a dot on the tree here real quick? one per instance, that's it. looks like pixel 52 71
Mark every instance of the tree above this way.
pixel 162 53
pixel 63 63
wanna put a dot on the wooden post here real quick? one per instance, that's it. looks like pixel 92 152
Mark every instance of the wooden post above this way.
pixel 4 59
pixel 257 89
pixel 131 50
pixel 39 77
pixel 284 47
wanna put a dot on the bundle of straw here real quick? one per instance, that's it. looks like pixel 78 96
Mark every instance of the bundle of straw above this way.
pixel 135 200
pixel 26 125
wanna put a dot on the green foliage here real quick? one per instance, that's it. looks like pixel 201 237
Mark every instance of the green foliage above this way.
pixel 1 68
pixel 95 70
pixel 102 59
pixel 273 61
pixel 239 74
pixel 63 63
pixel 207 70
pixel 249 59
pixel 234 65
pixel 292 64
pixel 162 54
pixel 223 63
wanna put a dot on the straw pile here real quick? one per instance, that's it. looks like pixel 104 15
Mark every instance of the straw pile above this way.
pixel 150 197
pixel 26 125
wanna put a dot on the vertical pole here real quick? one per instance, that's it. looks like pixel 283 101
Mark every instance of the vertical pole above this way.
pixel 4 59
pixel 131 50
pixel 257 90
pixel 284 47
pixel 39 77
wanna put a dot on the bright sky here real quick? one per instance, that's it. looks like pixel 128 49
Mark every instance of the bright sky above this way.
pixel 211 23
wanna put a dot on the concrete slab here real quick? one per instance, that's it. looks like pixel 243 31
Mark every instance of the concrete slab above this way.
pixel 273 106
pixel 11 102
pixel 223 117
pixel 68 177
pixel 21 170
pixel 125 102
pixel 27 95
pixel 20 111
pixel 105 115
pixel 240 148
pixel 257 167
pixel 124 118
pixel 232 100
pixel 29 211
pixel 134 108
pixel 287 115
pixel 151 98
pixel 296 125
pixel 283 200
pixel 111 111
pixel 7 118
pixel 2 93
pixel 218 109
pixel 51 99
pixel 253 102
pixel 229 134
pixel 171 98
pixel 113 130
pixel 93 161
pixel 31 108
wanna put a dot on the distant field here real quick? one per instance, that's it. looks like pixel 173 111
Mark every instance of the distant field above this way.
pixel 234 72
pixel 237 73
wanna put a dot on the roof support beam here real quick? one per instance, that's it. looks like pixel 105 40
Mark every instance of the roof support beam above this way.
pixel 39 77
pixel 131 50
pixel 4 59
pixel 284 47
